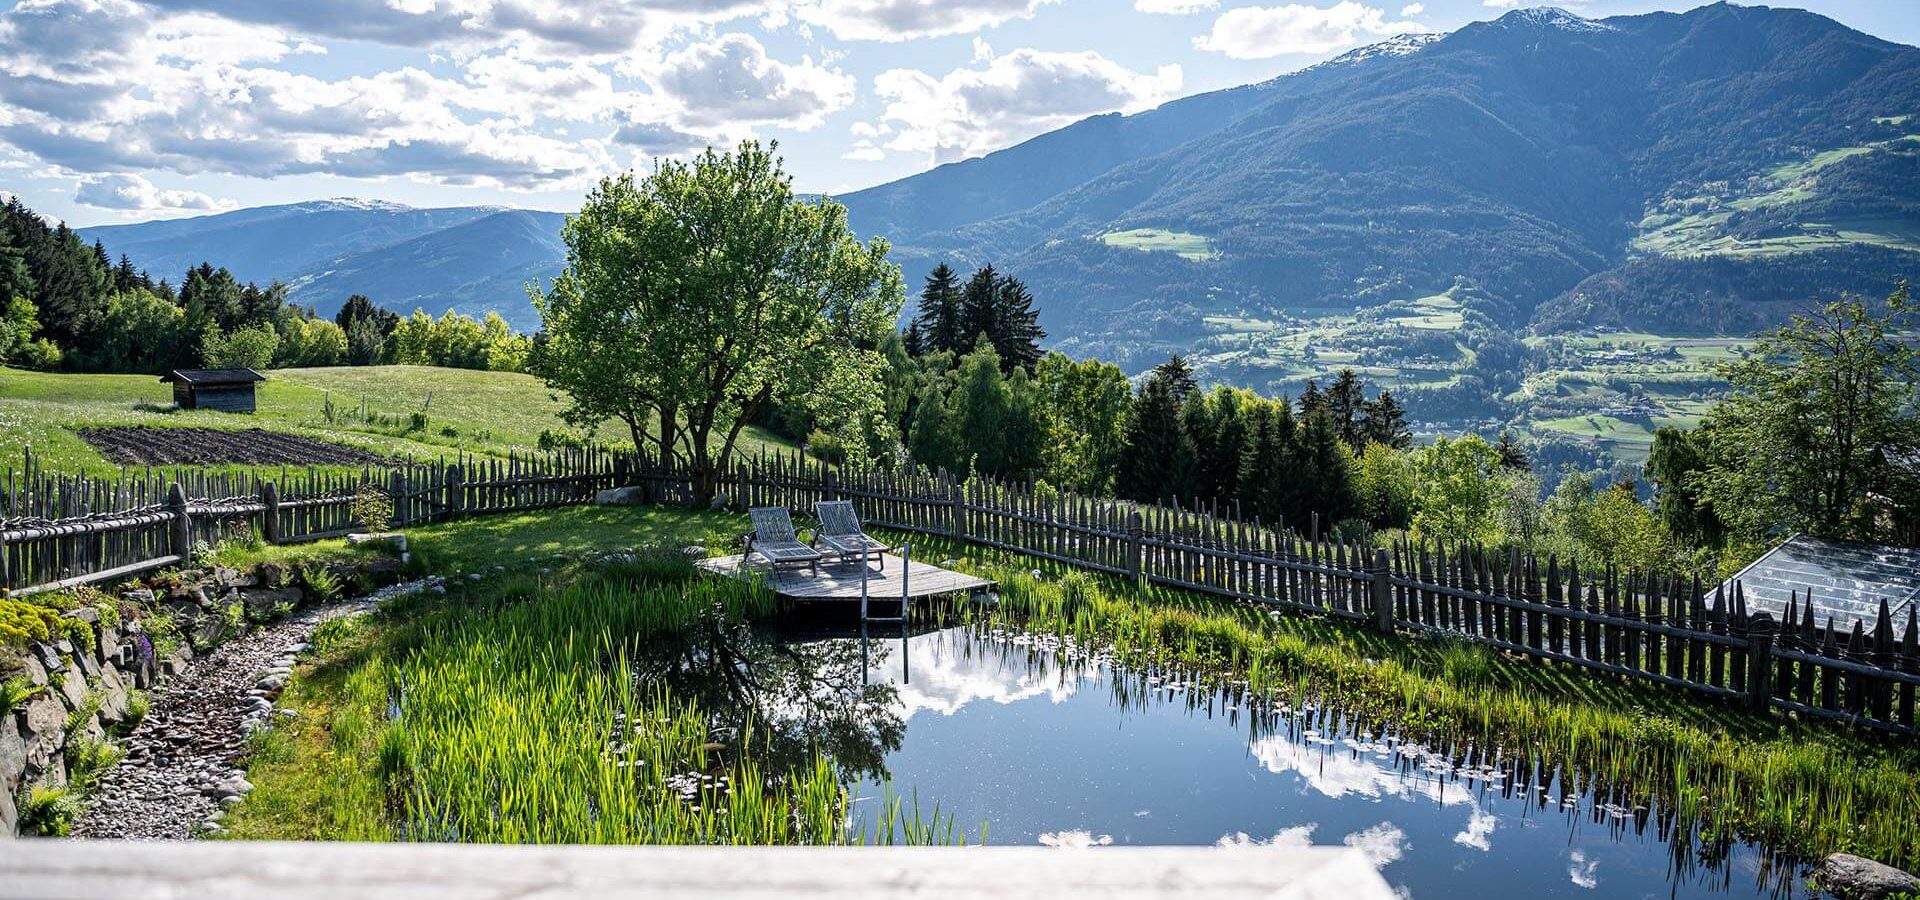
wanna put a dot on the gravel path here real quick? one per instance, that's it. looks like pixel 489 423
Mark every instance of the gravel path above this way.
pixel 179 770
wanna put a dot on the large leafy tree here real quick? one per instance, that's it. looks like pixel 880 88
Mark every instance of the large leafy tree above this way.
pixel 697 295
pixel 1819 432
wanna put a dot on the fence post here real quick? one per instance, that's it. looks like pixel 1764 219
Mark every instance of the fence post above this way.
pixel 827 487
pixel 1760 632
pixel 1136 536
pixel 270 517
pixel 957 514
pixel 1380 576
pixel 6 574
pixel 456 495
pixel 399 495
pixel 180 530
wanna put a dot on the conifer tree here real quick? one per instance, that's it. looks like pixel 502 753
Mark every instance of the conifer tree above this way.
pixel 1325 470
pixel 941 321
pixel 1158 453
pixel 1384 421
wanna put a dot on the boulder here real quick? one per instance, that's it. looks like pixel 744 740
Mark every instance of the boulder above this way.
pixel 209 631
pixel 108 645
pixel 36 673
pixel 176 663
pixel 49 657
pixel 1859 878
pixel 272 574
pixel 9 816
pixel 234 577
pixel 46 732
pixel 84 662
pixel 620 496
pixel 113 695
pixel 142 597
pixel 73 686
pixel 13 756
pixel 86 614
pixel 393 541
pixel 261 602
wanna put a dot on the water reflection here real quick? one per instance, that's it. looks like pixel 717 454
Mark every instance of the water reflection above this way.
pixel 1054 744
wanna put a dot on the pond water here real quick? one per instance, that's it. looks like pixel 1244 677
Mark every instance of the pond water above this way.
pixel 1047 745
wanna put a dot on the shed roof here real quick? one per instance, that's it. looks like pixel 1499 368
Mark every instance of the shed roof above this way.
pixel 1846 581
pixel 204 377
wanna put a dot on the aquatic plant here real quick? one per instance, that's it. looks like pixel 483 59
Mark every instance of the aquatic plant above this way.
pixel 1805 788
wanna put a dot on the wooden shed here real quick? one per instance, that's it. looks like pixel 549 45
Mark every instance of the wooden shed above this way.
pixel 227 390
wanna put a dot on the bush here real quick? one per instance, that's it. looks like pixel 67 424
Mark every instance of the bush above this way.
pixel 372 508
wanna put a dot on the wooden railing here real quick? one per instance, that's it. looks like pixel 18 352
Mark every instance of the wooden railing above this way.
pixel 59 532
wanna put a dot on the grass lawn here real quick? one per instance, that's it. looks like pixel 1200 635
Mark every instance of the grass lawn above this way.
pixel 1156 240
pixel 489 413
pixel 336 771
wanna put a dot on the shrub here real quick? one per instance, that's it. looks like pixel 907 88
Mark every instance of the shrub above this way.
pixel 372 508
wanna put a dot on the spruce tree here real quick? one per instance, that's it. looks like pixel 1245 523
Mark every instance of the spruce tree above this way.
pixel 1178 375
pixel 1325 470
pixel 1346 398
pixel 1280 488
pixel 1384 421
pixel 1157 454
pixel 1014 326
pixel 941 321
pixel 977 301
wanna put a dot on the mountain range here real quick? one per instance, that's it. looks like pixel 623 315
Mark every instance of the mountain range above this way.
pixel 1681 172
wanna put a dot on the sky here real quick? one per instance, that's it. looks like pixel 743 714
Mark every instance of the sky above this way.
pixel 129 110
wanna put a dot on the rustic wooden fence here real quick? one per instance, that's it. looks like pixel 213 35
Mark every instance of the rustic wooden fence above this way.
pixel 1646 626
pixel 56 532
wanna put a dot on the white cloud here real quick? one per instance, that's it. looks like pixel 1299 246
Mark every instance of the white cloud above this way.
pixel 1296 836
pixel 1075 838
pixel 556 28
pixel 1382 844
pixel 731 80
pixel 899 20
pixel 1479 831
pixel 1584 873
pixel 1017 95
pixel 982 51
pixel 97 87
pixel 1259 32
pixel 1174 7
pixel 1412 9
pixel 132 193
pixel 864 151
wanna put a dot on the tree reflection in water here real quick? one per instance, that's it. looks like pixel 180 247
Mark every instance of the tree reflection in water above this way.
pixel 787 697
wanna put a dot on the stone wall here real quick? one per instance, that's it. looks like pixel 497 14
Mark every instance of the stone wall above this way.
pixel 93 682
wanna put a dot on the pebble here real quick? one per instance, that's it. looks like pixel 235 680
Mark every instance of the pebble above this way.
pixel 179 772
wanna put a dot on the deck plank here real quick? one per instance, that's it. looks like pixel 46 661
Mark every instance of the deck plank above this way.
pixel 841 581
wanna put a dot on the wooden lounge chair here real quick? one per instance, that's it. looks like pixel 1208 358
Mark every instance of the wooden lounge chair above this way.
pixel 774 539
pixel 840 531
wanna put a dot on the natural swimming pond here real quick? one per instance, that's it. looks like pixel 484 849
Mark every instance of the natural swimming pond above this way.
pixel 1046 744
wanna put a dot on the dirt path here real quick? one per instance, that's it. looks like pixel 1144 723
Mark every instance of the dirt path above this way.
pixel 179 770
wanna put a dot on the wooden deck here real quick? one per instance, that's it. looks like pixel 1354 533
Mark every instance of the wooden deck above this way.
pixel 841 581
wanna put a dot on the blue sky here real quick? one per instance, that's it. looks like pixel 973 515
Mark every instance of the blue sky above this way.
pixel 125 110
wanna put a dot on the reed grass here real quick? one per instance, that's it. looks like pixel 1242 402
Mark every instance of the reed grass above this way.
pixel 1797 788
pixel 513 714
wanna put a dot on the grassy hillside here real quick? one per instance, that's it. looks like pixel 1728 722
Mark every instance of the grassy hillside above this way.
pixel 479 412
